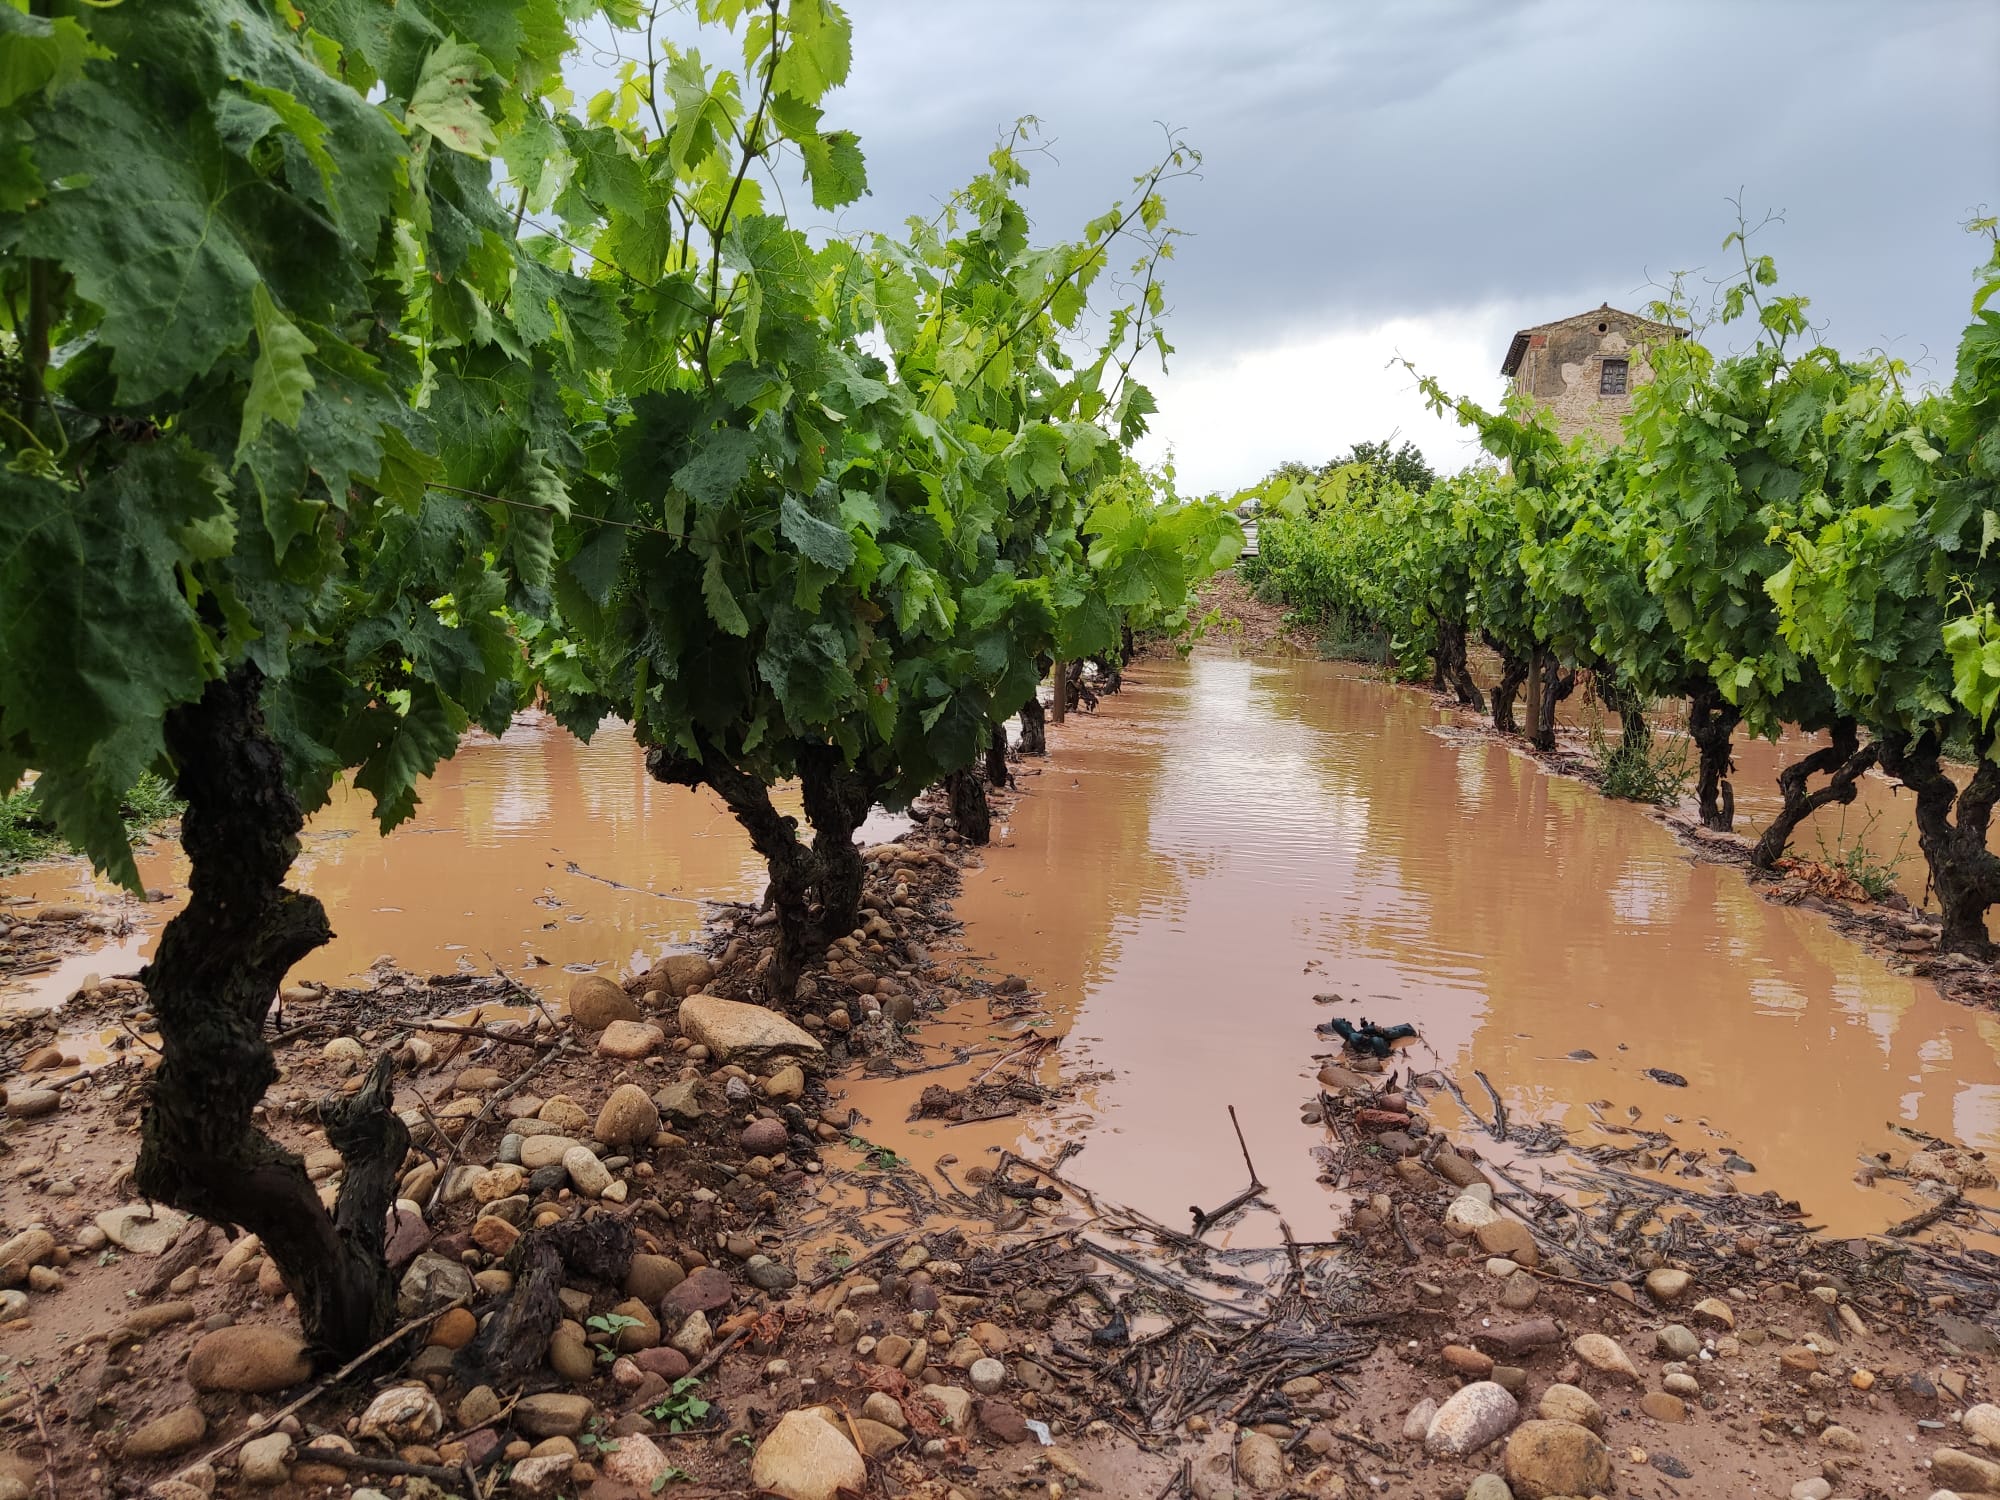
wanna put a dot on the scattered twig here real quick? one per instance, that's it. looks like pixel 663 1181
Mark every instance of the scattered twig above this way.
pixel 714 1356
pixel 368 1463
pixel 323 1386
pixel 560 1049
pixel 48 1447
pixel 480 1031
pixel 1918 1222
pixel 1204 1220
pixel 860 1260
pixel 1499 1109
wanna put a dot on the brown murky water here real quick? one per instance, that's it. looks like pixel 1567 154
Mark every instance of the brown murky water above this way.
pixel 1193 864
pixel 1233 836
pixel 534 849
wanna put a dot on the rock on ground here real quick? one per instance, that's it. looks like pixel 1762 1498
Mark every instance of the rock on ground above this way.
pixel 247 1359
pixel 1568 1403
pixel 1474 1416
pixel 1958 1470
pixel 804 1458
pixel 142 1228
pixel 1605 1355
pixel 629 1117
pixel 176 1431
pixel 735 1032
pixel 1547 1459
pixel 595 1002
pixel 553 1414
pixel 1260 1461
pixel 261 1461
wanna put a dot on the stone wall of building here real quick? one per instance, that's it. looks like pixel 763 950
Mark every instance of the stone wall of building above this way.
pixel 1563 369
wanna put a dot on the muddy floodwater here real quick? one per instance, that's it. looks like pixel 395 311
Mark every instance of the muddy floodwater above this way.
pixel 1232 837
pixel 1192 866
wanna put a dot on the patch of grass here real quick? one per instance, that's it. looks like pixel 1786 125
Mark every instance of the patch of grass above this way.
pixel 1854 859
pixel 1641 772
pixel 23 835
pixel 26 835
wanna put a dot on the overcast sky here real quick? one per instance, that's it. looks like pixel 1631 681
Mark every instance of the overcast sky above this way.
pixel 1423 177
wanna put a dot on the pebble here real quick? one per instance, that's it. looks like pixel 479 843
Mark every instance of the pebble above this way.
pixel 249 1359
pixel 1667 1284
pixel 1959 1470
pixel 886 1409
pixel 1676 1342
pixel 1260 1461
pixel 1605 1355
pixel 553 1414
pixel 1488 1487
pixel 1556 1458
pixel 590 1175
pixel 636 1460
pixel 1418 1422
pixel 174 1432
pixel 1982 1424
pixel 1519 1294
pixel 1568 1403
pixel 1467 1214
pixel 806 1458
pixel 1473 1417
pixel 261 1461
pixel 1662 1406
pixel 694 1336
pixel 403 1414
pixel 1814 1488
pixel 987 1375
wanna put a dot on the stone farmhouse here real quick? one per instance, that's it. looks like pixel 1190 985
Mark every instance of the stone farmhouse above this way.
pixel 1584 368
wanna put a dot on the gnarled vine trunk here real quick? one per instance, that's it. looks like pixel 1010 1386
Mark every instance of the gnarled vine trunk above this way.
pixel 837 798
pixel 1712 719
pixel 1452 671
pixel 1845 761
pixel 815 888
pixel 1550 686
pixel 1513 673
pixel 969 812
pixel 1034 727
pixel 211 984
pixel 1951 828
pixel 996 754
pixel 1079 693
pixel 1630 706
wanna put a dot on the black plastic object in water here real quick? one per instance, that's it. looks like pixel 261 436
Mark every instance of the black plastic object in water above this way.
pixel 1367 1037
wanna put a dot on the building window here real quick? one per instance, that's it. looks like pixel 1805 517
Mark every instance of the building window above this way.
pixel 1611 381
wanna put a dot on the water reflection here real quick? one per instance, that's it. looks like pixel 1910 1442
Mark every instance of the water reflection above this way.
pixel 1232 836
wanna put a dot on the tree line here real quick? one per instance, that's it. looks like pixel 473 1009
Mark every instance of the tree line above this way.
pixel 360 385
pixel 1787 538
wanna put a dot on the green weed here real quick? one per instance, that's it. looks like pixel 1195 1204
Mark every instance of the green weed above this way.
pixel 1640 772
pixel 680 1408
pixel 1854 859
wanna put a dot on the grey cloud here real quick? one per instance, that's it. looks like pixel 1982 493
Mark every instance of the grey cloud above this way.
pixel 1369 161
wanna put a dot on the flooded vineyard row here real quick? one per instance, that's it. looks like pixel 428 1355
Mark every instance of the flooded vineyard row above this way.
pixel 1193 865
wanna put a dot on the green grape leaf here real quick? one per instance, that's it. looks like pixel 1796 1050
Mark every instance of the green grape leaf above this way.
pixel 446 102
pixel 825 544
pixel 722 605
pixel 279 380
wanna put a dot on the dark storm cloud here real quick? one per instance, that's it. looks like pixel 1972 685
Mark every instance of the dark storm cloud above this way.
pixel 1407 159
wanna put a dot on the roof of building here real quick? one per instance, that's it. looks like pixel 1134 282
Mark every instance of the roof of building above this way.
pixel 1519 346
